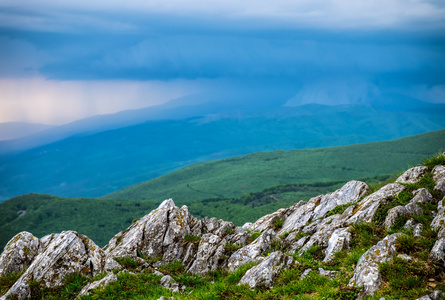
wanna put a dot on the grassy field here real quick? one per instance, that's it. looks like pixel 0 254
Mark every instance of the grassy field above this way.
pixel 235 176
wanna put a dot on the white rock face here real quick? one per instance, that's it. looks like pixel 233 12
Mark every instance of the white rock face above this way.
pixel 168 282
pixel 367 273
pixel 67 253
pixel 267 271
pixel 210 250
pixel 251 252
pixel 412 175
pixel 339 240
pixel 349 193
pixel 439 221
pixel 438 252
pixel 19 253
pixel 366 209
pixel 417 232
pixel 319 206
pixel 160 233
pixel 97 284
pixel 422 196
pixel 438 173
pixel 410 209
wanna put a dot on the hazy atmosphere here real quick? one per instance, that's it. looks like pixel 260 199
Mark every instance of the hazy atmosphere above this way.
pixel 63 61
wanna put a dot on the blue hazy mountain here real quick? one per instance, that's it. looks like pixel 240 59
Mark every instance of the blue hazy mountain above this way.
pixel 100 160
pixel 16 130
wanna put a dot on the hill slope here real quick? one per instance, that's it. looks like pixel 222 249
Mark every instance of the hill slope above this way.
pixel 235 176
pixel 98 164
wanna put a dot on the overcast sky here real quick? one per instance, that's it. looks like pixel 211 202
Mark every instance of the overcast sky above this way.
pixel 65 60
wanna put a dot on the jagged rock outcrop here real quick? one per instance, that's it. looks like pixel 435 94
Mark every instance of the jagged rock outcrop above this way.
pixel 251 252
pixel 67 253
pixel 210 250
pixel 367 274
pixel 319 206
pixel 160 233
pixel 265 273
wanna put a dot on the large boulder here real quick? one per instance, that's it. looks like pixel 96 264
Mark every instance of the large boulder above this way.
pixel 366 274
pixel 412 175
pixel 67 253
pixel 19 253
pixel 264 274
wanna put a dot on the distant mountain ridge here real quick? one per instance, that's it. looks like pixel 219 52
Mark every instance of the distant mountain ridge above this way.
pixel 17 130
pixel 93 165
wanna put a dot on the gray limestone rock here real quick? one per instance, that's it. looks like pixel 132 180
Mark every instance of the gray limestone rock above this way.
pixel 339 240
pixel 349 193
pixel 405 256
pixel 422 196
pixel 305 274
pixel 439 220
pixel 438 252
pixel 410 224
pixel 366 208
pixel 366 272
pixel 417 232
pixel 438 173
pixel 97 284
pixel 210 250
pixel 19 253
pixel 168 282
pixel 251 252
pixel 436 295
pixel 67 253
pixel 326 273
pixel 265 273
pixel 440 186
pixel 410 209
pixel 412 175
pixel 319 206
pixel 268 221
pixel 160 233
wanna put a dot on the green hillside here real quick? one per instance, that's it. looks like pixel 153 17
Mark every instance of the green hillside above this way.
pixel 238 175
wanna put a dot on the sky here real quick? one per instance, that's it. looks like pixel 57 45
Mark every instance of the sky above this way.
pixel 65 60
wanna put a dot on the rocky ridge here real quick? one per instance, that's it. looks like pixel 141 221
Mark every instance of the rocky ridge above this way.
pixel 169 234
